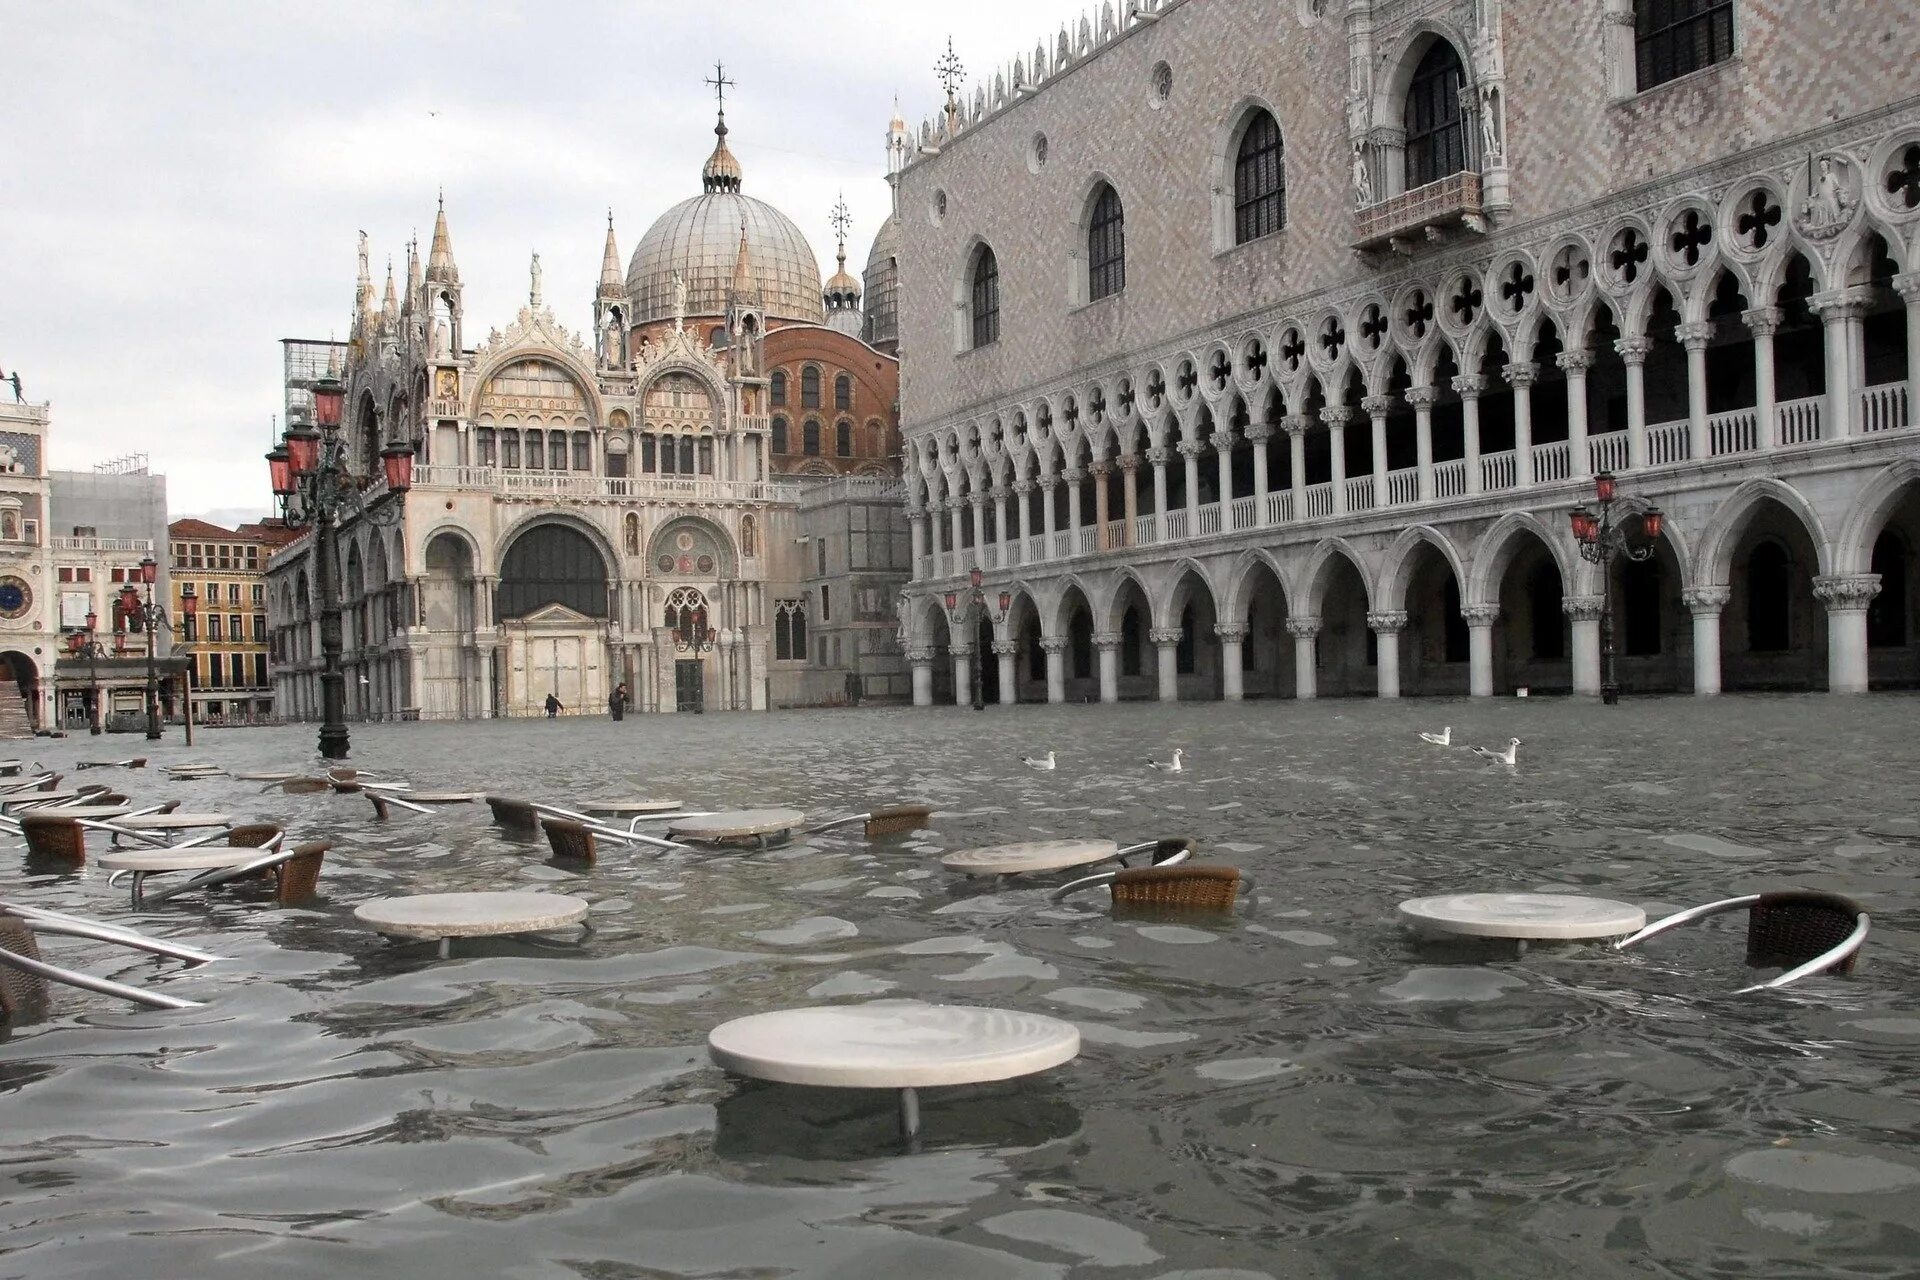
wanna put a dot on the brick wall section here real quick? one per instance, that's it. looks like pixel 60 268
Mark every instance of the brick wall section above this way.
pixel 1799 64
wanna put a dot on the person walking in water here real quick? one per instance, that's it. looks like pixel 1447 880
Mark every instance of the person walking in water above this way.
pixel 553 706
pixel 617 703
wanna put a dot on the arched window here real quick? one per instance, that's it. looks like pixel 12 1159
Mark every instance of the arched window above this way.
pixel 810 387
pixel 1436 134
pixel 582 451
pixel 1106 245
pixel 843 438
pixel 648 463
pixel 790 631
pixel 536 451
pixel 557 450
pixel 779 435
pixel 843 393
pixel 668 456
pixel 983 290
pixel 1673 38
pixel 810 438
pixel 1259 180
pixel 686 455
pixel 779 391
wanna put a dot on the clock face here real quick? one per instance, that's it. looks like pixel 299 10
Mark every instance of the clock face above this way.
pixel 16 597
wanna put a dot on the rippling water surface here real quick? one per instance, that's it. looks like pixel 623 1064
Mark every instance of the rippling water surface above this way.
pixel 1299 1092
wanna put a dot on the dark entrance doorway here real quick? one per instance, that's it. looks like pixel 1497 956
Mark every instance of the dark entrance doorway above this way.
pixel 689 686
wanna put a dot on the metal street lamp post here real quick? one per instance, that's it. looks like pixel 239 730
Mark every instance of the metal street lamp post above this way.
pixel 86 644
pixel 1602 538
pixel 969 619
pixel 316 485
pixel 153 618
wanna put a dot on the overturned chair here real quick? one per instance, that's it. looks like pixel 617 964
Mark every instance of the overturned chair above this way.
pixel 1808 931
pixel 295 871
pixel 24 974
pixel 530 815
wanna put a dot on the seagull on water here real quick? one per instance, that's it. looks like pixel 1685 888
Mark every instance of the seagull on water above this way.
pixel 1040 762
pixel 1444 738
pixel 1498 757
pixel 1176 765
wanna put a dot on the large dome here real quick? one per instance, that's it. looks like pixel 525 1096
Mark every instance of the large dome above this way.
pixel 700 238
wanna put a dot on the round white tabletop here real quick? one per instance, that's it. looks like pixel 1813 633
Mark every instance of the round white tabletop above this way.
pixel 35 797
pixel 1034 855
pixel 471 915
pixel 177 821
pixel 632 806
pixel 892 1044
pixel 88 811
pixel 739 824
pixel 263 777
pixel 199 858
pixel 1545 916
pixel 443 797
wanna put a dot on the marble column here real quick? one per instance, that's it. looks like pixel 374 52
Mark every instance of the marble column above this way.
pixel 1763 323
pixel 1520 376
pixel 1907 285
pixel 1130 497
pixel 917 524
pixel 1167 642
pixel 1005 557
pixel 1694 336
pixel 1304 631
pixel 1157 455
pixel 1840 312
pixel 1575 365
pixel 1190 458
pixel 1705 604
pixel 1377 408
pixel 1073 476
pixel 1107 645
pixel 1049 518
pixel 1583 613
pixel 1336 417
pixel 922 663
pixel 1481 620
pixel 1468 387
pixel 1295 425
pixel 1022 489
pixel 1232 637
pixel 979 504
pixel 956 560
pixel 1422 398
pixel 962 673
pixel 1099 471
pixel 1847 596
pixel 1005 651
pixel 1222 442
pixel 1055 647
pixel 1633 352
pixel 1387 626
pixel 1258 434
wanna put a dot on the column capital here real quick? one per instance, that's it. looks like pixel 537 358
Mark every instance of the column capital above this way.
pixel 1189 448
pixel 961 650
pixel 1633 350
pixel 1107 639
pixel 976 499
pixel 1164 636
pixel 1158 455
pixel 1296 424
pixel 1480 615
pixel 1231 632
pixel 1006 648
pixel 1834 305
pixel 1468 386
pixel 1258 432
pixel 1336 415
pixel 1305 627
pixel 1129 462
pixel 1099 469
pixel 1846 592
pixel 998 493
pixel 1053 644
pixel 1074 475
pixel 1694 335
pixel 1578 360
pixel 1706 602
pixel 1421 397
pixel 1222 441
pixel 1023 486
pixel 1764 322
pixel 919 657
pixel 1521 374
pixel 1378 406
pixel 1582 608
pixel 1388 621
pixel 1907 285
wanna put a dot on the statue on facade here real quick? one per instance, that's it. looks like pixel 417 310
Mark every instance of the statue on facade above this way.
pixel 533 291
pixel 1362 177
pixel 1829 203
pixel 679 302
pixel 1490 122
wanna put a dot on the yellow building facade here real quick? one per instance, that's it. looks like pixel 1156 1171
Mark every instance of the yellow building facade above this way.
pixel 219 612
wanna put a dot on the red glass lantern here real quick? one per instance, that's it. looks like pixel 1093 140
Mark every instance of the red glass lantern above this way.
pixel 1651 522
pixel 93 620
pixel 973 578
pixel 280 469
pixel 189 605
pixel 149 570
pixel 397 458
pixel 328 397
pixel 1604 486
pixel 129 600
pixel 1582 521
pixel 1006 601
pixel 953 599
pixel 303 451
pixel 74 641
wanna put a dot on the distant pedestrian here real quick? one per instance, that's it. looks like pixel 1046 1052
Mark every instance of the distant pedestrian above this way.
pixel 617 704
pixel 553 706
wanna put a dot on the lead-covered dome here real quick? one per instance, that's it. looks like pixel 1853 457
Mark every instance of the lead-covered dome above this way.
pixel 701 239
pixel 883 284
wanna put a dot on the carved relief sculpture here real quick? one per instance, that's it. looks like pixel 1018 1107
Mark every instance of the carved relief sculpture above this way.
pixel 1830 200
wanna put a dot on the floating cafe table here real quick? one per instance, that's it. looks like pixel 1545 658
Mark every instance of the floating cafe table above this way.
pixel 739 824
pixel 892 1044
pixel 138 864
pixel 443 917
pixel 629 807
pixel 174 821
pixel 1522 917
pixel 1033 855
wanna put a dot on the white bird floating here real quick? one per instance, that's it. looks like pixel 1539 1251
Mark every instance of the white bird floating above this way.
pixel 1040 762
pixel 1498 757
pixel 1176 765
pixel 1444 738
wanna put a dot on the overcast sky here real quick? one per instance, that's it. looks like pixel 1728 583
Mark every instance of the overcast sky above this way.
pixel 185 180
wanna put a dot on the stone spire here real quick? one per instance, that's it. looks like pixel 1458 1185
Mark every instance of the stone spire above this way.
pixel 366 315
pixel 416 295
pixel 721 171
pixel 440 268
pixel 613 285
pixel 743 265
pixel 390 302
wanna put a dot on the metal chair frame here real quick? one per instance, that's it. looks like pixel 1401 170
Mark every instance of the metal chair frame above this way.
pixel 274 855
pixel 1835 955
pixel 56 923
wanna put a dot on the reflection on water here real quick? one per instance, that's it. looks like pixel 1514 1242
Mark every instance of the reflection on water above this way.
pixel 1300 1091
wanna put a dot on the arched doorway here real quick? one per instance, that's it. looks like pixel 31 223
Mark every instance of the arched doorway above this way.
pixel 552 605
pixel 1196 654
pixel 1345 653
pixel 1773 632
pixel 1532 643
pixel 448 672
pixel 19 673
pixel 1893 627
pixel 1435 655
pixel 1266 654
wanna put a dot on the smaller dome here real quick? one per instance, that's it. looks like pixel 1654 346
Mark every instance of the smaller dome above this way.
pixel 882 285
pixel 721 172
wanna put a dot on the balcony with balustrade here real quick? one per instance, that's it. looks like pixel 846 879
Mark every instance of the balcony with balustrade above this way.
pixel 563 486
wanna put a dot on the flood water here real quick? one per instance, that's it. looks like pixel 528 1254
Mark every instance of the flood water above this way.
pixel 1302 1091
